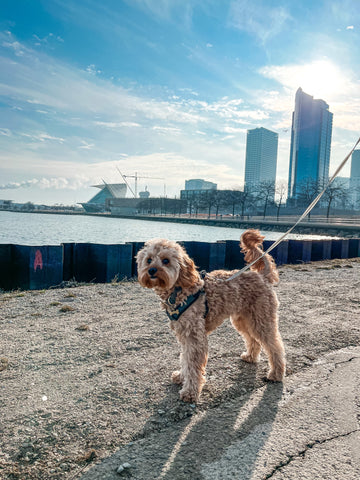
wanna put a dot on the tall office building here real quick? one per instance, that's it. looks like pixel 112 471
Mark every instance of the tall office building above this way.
pixel 355 178
pixel 261 156
pixel 310 142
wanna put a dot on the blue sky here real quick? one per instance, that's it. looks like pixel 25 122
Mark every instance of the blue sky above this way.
pixel 164 88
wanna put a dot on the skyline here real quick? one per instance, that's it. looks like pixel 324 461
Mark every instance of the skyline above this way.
pixel 164 90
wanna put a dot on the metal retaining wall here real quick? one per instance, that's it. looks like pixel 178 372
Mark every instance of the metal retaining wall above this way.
pixel 33 268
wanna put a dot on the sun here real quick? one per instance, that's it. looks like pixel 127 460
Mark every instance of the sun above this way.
pixel 321 79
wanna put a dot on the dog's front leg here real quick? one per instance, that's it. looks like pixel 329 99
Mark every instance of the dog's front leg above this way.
pixel 193 360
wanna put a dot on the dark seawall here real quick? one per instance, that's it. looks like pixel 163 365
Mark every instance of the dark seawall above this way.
pixel 39 267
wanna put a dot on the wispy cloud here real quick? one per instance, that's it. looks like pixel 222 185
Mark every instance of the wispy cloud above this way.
pixel 86 145
pixel 258 18
pixel 47 39
pixel 58 183
pixel 54 85
pixel 15 46
pixel 43 137
pixel 117 125
pixel 92 70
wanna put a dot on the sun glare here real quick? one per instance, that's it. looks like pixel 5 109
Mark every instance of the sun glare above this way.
pixel 321 79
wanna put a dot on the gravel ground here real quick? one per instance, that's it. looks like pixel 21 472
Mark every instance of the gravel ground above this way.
pixel 86 369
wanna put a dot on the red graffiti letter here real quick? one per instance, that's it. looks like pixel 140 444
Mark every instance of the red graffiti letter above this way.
pixel 38 262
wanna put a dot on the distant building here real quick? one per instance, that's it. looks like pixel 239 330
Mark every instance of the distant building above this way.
pixel 144 194
pixel 355 178
pixel 6 204
pixel 152 205
pixel 97 204
pixel 199 184
pixel 261 157
pixel 343 182
pixel 195 188
pixel 310 143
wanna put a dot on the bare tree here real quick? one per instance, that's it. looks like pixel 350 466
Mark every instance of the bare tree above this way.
pixel 219 200
pixel 246 197
pixel 265 194
pixel 191 202
pixel 353 198
pixel 308 191
pixel 208 200
pixel 233 198
pixel 280 190
pixel 335 192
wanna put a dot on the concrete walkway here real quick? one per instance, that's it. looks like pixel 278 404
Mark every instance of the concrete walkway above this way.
pixel 308 428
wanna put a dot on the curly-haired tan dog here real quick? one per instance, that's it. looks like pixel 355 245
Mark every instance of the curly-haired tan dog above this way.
pixel 197 304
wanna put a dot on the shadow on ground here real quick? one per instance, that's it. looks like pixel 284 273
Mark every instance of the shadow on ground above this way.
pixel 181 441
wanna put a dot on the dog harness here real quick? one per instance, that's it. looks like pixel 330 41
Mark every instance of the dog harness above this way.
pixel 175 311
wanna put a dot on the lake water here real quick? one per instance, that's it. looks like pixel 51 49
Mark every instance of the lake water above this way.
pixel 46 229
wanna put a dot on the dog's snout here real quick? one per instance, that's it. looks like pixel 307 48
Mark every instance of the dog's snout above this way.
pixel 152 271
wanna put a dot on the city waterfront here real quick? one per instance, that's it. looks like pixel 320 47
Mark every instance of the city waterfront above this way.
pixel 44 229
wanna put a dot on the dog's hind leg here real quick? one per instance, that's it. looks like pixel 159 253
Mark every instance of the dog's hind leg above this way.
pixel 274 348
pixel 267 333
pixel 253 347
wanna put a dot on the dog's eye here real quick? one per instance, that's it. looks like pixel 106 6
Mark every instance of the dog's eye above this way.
pixel 149 260
pixel 165 261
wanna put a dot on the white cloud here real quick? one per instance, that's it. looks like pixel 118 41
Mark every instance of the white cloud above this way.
pixel 59 183
pixel 86 146
pixel 42 137
pixel 92 69
pixel 16 46
pixel 115 125
pixel 258 18
pixel 167 130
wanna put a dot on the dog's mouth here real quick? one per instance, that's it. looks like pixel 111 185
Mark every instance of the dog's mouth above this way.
pixel 153 280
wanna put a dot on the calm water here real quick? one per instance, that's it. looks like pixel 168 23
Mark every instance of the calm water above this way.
pixel 43 229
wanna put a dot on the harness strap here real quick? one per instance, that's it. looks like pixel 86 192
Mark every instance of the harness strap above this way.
pixel 174 313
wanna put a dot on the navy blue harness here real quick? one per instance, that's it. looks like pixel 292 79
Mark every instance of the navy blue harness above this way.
pixel 175 311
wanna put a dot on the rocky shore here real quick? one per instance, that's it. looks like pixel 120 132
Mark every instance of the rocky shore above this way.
pixel 85 369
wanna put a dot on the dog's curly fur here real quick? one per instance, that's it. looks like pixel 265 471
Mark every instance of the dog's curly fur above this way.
pixel 249 300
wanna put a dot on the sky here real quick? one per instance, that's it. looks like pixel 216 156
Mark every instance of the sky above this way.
pixel 165 89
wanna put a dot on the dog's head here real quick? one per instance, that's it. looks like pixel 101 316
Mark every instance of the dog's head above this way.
pixel 162 264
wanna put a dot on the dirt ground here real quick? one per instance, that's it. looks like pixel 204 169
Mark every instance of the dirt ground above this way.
pixel 86 369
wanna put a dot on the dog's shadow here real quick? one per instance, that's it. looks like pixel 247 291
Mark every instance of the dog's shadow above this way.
pixel 213 440
pixel 181 441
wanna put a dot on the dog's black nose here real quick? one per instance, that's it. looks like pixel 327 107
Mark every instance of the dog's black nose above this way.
pixel 152 271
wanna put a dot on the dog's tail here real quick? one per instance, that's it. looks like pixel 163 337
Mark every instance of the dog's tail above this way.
pixel 250 243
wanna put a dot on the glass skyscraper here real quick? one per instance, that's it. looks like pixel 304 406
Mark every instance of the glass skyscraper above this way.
pixel 310 142
pixel 261 156
pixel 355 178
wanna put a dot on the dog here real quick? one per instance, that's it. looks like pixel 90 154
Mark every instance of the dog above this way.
pixel 197 304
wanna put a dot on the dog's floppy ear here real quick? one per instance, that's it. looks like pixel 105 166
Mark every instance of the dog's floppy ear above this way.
pixel 188 275
pixel 139 257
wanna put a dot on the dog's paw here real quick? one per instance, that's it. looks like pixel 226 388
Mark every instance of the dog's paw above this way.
pixel 274 377
pixel 246 357
pixel 188 396
pixel 176 377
